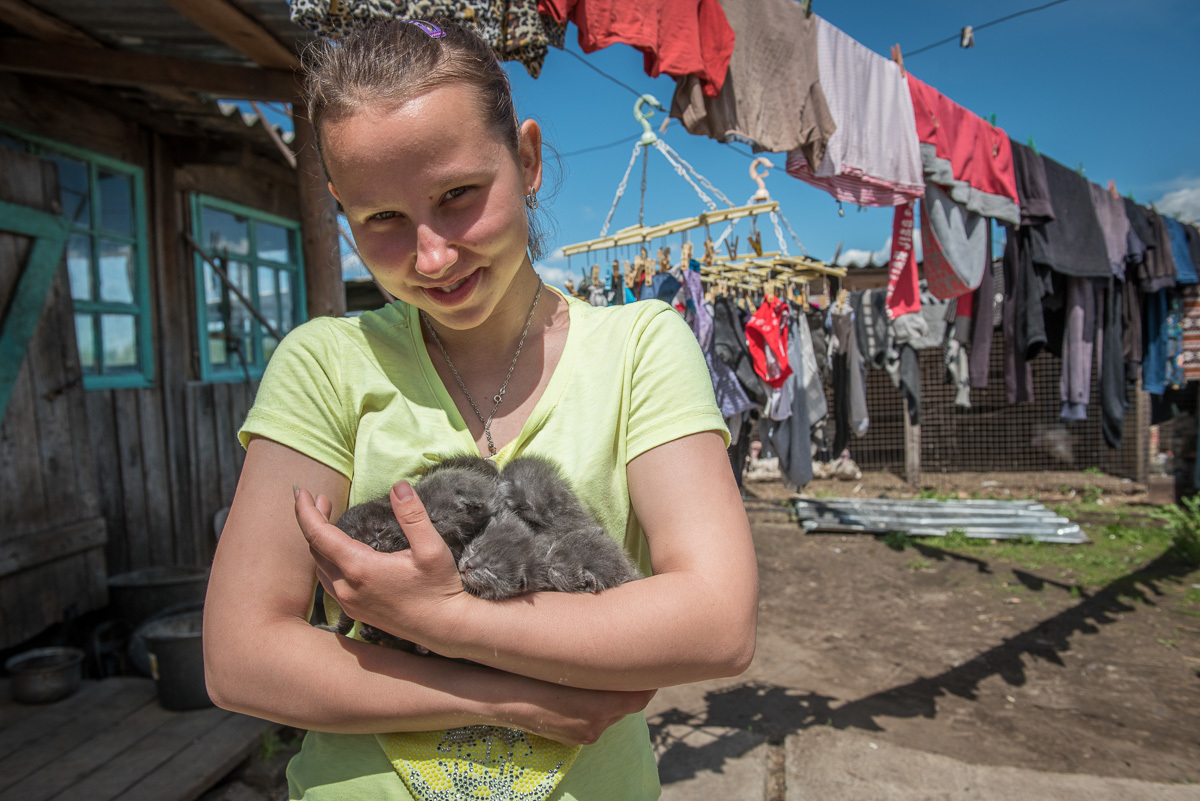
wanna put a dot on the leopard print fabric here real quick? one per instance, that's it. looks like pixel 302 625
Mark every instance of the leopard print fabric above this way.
pixel 514 28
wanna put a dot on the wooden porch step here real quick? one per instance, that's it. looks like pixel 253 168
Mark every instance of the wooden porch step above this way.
pixel 112 741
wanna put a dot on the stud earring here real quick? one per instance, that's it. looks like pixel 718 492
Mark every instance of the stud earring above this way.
pixel 531 201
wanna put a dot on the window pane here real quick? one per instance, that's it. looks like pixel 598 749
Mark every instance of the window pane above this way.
pixel 73 189
pixel 85 338
pixel 274 244
pixel 287 318
pixel 240 320
pixel 268 297
pixel 116 272
pixel 118 335
pixel 222 232
pixel 116 202
pixel 79 266
pixel 214 298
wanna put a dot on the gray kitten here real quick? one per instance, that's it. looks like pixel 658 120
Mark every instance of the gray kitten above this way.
pixel 511 532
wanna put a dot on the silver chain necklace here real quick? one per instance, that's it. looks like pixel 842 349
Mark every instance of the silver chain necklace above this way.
pixel 499 396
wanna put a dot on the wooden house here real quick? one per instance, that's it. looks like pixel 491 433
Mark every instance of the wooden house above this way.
pixel 183 242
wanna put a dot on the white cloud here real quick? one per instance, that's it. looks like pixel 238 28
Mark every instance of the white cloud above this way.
pixel 877 258
pixel 1183 202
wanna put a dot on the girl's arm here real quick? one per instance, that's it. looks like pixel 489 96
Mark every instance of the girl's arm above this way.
pixel 261 656
pixel 693 619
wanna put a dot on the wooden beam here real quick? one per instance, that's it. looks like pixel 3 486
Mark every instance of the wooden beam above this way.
pixel 42 26
pixel 137 69
pixel 324 287
pixel 235 28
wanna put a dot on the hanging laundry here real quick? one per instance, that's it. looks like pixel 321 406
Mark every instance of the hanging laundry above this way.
pixel 790 438
pixel 1185 270
pixel 903 295
pixel 729 345
pixel 956 358
pixel 1073 242
pixel 1033 191
pixel 1079 338
pixel 1114 222
pixel 955 244
pixel 731 396
pixel 766 336
pixel 872 158
pixel 963 153
pixel 1113 398
pixel 678 37
pixel 515 29
pixel 983 322
pixel 771 99
pixel 1159 272
pixel 1154 335
pixel 699 316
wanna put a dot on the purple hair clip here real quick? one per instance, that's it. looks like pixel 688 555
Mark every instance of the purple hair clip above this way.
pixel 433 30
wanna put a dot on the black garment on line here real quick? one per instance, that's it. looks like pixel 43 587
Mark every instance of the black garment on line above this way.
pixel 729 345
pixel 1113 400
pixel 1073 242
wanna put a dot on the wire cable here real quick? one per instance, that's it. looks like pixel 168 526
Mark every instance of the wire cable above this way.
pixel 956 37
pixel 622 141
pixel 590 66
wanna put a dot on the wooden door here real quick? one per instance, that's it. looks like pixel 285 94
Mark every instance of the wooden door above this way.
pixel 51 532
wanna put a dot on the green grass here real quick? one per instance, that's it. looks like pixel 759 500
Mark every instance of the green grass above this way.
pixel 1118 549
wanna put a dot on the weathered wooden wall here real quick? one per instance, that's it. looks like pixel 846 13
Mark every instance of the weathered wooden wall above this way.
pixel 52 533
pixel 163 460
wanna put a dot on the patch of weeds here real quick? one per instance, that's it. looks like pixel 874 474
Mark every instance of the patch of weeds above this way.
pixel 933 494
pixel 1167 642
pixel 1091 495
pixel 896 540
pixel 918 564
pixel 1093 471
pixel 1183 523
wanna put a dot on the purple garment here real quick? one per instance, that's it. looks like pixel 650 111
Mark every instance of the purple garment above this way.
pixel 983 323
pixel 731 397
pixel 1032 191
pixel 702 322
pixel 1079 339
pixel 1073 243
pixel 1110 211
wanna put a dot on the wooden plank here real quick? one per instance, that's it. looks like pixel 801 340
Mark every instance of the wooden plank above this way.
pixel 20 477
pixel 171 282
pixel 235 28
pixel 55 388
pixel 188 774
pixel 208 468
pixel 22 553
pixel 158 496
pixel 224 440
pixel 191 479
pixel 102 430
pixel 21 723
pixel 39 767
pixel 325 292
pixel 42 26
pixel 175 733
pixel 123 68
pixel 133 479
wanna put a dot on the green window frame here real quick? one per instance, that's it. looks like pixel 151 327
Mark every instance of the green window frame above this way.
pixel 104 202
pixel 260 254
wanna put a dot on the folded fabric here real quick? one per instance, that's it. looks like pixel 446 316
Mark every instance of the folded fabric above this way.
pixel 965 154
pixel 873 157
pixel 678 37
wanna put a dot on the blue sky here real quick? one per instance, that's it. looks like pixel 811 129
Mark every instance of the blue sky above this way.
pixel 1106 84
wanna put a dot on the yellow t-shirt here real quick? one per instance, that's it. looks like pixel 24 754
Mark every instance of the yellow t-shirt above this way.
pixel 362 396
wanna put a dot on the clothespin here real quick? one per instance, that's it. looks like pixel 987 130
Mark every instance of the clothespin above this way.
pixel 898 57
pixel 756 242
pixel 1080 169
pixel 1033 147
pixel 1112 189
pixel 731 247
pixel 966 37
pixel 807 6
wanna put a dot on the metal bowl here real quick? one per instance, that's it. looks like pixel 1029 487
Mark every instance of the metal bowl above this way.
pixel 45 674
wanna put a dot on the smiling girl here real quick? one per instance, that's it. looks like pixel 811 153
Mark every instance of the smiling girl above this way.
pixel 438 180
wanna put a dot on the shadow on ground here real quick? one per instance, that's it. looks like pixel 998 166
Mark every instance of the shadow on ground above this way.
pixel 737 719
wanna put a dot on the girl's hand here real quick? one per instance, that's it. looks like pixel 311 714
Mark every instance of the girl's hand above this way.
pixel 391 591
pixel 577 717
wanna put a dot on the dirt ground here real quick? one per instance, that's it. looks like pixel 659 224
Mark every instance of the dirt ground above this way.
pixel 972 659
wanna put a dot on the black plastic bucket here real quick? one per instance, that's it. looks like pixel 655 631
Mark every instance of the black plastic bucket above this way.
pixel 138 594
pixel 177 660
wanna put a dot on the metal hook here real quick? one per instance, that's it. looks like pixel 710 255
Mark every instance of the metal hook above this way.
pixel 762 195
pixel 643 117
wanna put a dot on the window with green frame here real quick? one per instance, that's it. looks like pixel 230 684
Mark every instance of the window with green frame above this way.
pixel 259 254
pixel 104 200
